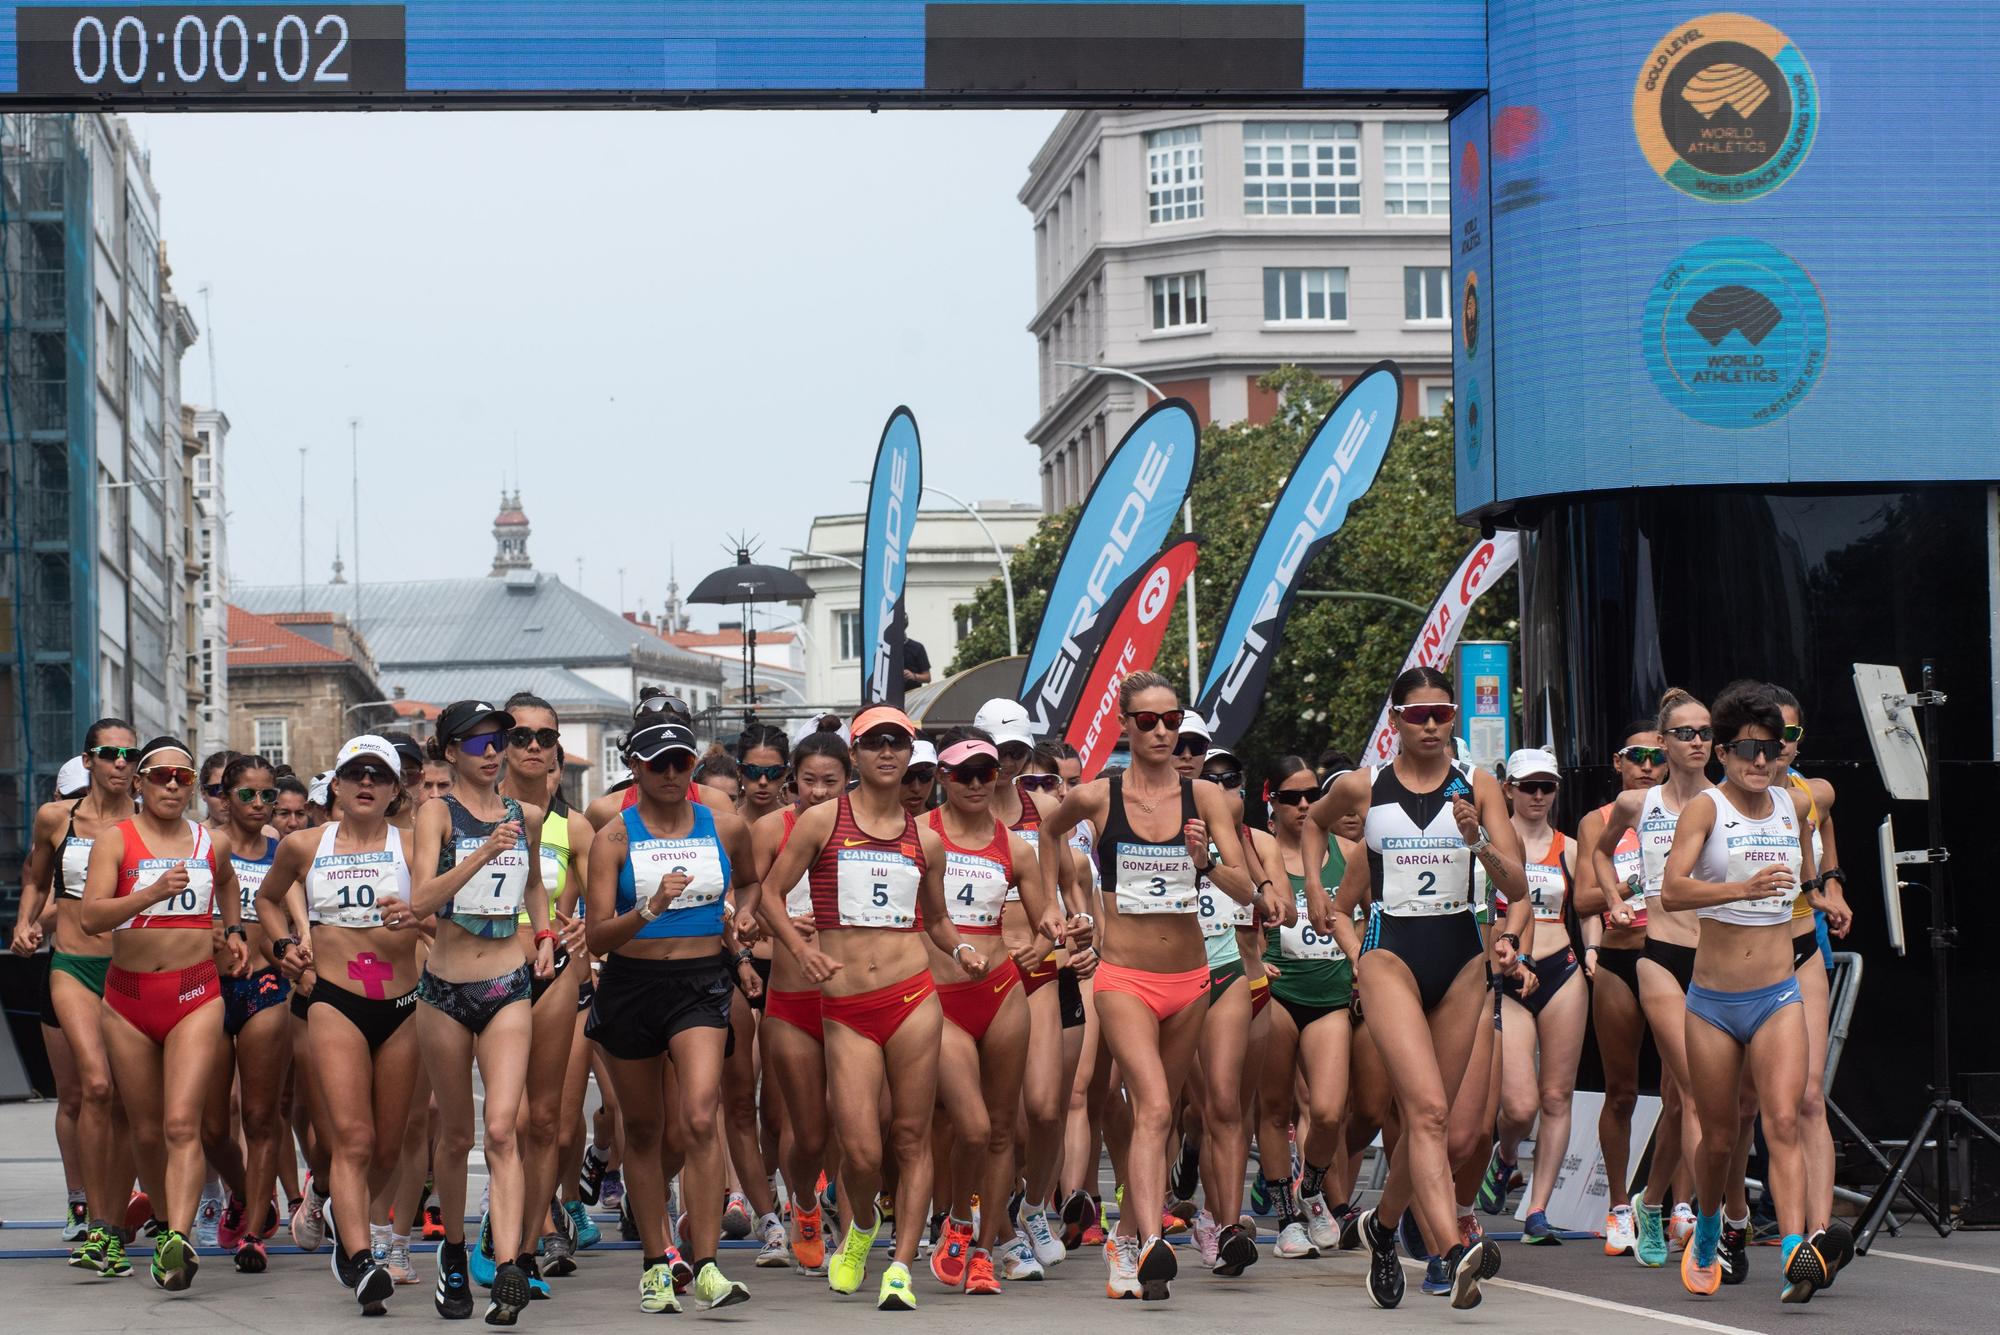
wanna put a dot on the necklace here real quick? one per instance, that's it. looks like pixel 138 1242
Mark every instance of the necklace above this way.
pixel 1143 804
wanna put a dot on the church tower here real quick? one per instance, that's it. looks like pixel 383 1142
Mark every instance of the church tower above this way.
pixel 510 536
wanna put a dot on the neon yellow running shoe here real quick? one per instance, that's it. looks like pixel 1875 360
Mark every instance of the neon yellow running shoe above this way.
pixel 89 1254
pixel 897 1294
pixel 849 1266
pixel 713 1289
pixel 656 1290
pixel 115 1265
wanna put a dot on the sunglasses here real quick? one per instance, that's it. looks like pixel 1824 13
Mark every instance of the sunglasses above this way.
pixel 1014 750
pixel 1040 783
pixel 265 795
pixel 888 739
pixel 761 773
pixel 1750 748
pixel 671 704
pixel 1420 715
pixel 1149 719
pixel 1793 732
pixel 169 776
pixel 546 738
pixel 665 761
pixel 1226 779
pixel 368 774
pixel 973 771
pixel 212 789
pixel 1536 787
pixel 1685 733
pixel 1191 746
pixel 1644 755
pixel 1293 797
pixel 114 754
pixel 484 744
pixel 919 775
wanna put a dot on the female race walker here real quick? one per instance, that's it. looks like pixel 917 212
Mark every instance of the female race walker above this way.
pixel 153 882
pixel 1157 833
pixel 1740 855
pixel 877 880
pixel 1422 969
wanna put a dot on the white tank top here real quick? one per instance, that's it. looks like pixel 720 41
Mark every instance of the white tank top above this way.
pixel 344 889
pixel 1656 837
pixel 1419 869
pixel 1739 847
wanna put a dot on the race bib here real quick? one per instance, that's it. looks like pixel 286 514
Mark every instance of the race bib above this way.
pixel 876 888
pixel 196 899
pixel 1213 907
pixel 1752 851
pixel 1424 873
pixel 1545 891
pixel 1155 878
pixel 1302 940
pixel 799 903
pixel 1656 840
pixel 555 865
pixel 1034 841
pixel 342 887
pixel 975 890
pixel 75 863
pixel 249 879
pixel 696 858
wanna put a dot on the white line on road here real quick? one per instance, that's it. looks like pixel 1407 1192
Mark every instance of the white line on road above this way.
pixel 1933 1260
pixel 1605 1304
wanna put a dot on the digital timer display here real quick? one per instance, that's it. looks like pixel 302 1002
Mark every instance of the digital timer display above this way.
pixel 275 51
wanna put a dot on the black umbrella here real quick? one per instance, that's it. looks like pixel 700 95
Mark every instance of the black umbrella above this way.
pixel 744 583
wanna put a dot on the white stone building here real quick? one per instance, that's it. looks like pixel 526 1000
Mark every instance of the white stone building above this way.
pixel 211 533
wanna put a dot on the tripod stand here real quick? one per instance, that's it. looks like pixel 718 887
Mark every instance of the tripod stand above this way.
pixel 1944 1111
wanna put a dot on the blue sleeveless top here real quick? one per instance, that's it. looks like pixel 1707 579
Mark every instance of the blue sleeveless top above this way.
pixel 697 910
pixel 467 833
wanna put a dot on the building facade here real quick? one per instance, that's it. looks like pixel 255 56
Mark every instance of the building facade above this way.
pixel 209 430
pixel 295 697
pixel 1200 250
pixel 951 558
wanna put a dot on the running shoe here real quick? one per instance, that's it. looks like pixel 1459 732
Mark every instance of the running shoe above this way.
pixel 1157 1268
pixel 484 1266
pixel 1468 1266
pixel 433 1223
pixel 1260 1196
pixel 948 1257
pixel 1805 1268
pixel 979 1276
pixel 174 1261
pixel 1121 1262
pixel 89 1253
pixel 1186 1176
pixel 1176 1218
pixel 1537 1232
pixel 76 1224
pixel 1235 1251
pixel 1652 1248
pixel 628 1226
pixel 1048 1248
pixel 453 1295
pixel 373 1288
pixel 271 1220
pixel 590 1181
pixel 611 1194
pixel 1437 1276
pixel 1207 1238
pixel 558 1258
pixel 309 1219
pixel 898 1294
pixel 229 1229
pixel 538 1288
pixel 1620 1236
pixel 251 1258
pixel 1385 1272
pixel 1681 1227
pixel 1094 1236
pixel 1350 1230
pixel 678 1267
pixel 713 1289
pixel 1077 1212
pixel 656 1291
pixel 1499 1180
pixel 1412 1237
pixel 115 1266
pixel 1017 1260
pixel 587 1234
pixel 138 1212
pixel 1698 1278
pixel 153 1227
pixel 737 1220
pixel 510 1295
pixel 808 1243
pixel 563 1223
pixel 776 1251
pixel 1294 1243
pixel 1320 1225
pixel 1735 1253
pixel 1836 1248
pixel 401 1269
pixel 849 1266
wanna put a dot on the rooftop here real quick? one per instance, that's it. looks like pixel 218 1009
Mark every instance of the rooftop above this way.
pixel 260 642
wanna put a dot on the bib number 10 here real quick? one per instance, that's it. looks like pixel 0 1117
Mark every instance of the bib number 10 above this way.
pixel 355 897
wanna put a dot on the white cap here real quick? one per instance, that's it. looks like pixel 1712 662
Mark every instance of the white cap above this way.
pixel 1533 760
pixel 807 727
pixel 1221 753
pixel 72 778
pixel 317 792
pixel 923 753
pixel 1194 725
pixel 369 747
pixel 1004 721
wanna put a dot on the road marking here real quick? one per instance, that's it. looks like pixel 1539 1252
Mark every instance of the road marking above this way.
pixel 1933 1260
pixel 1605 1304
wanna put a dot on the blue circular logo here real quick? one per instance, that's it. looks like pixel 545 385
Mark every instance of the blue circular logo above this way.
pixel 1471 423
pixel 1735 333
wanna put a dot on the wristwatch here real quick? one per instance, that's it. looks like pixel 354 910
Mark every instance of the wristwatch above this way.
pixel 646 911
pixel 236 929
pixel 283 946
pixel 1481 844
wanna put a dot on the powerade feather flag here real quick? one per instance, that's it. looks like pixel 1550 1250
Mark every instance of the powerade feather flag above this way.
pixel 1131 645
pixel 892 517
pixel 1489 559
pixel 1126 518
pixel 1337 468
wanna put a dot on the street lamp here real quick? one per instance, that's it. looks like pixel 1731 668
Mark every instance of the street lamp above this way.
pixel 822 556
pixel 1187 521
pixel 999 552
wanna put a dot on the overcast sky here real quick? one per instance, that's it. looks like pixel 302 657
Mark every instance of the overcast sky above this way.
pixel 683 325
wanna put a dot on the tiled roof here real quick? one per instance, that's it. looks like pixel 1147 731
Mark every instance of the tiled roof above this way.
pixel 559 686
pixel 258 641
pixel 690 639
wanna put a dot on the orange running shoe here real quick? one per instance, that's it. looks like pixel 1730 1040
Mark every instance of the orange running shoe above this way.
pixel 1700 1279
pixel 948 1258
pixel 808 1240
pixel 979 1276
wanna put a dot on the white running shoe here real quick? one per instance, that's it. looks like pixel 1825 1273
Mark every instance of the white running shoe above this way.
pixel 1620 1233
pixel 777 1248
pixel 398 1263
pixel 1321 1226
pixel 1207 1238
pixel 1048 1248
pixel 736 1217
pixel 1680 1226
pixel 208 1222
pixel 309 1221
pixel 1017 1259
pixel 1121 1263
pixel 1294 1243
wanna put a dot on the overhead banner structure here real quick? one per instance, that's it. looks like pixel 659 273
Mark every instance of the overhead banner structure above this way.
pixel 1125 520
pixel 1489 559
pixel 893 494
pixel 1337 468
pixel 1131 644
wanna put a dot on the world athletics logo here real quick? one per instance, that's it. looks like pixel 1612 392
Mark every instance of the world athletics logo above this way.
pixel 1735 333
pixel 1725 108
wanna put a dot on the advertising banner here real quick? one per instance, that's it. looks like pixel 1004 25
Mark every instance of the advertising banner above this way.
pixel 1131 644
pixel 1127 516
pixel 1485 702
pixel 893 493
pixel 1338 467
pixel 1489 559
